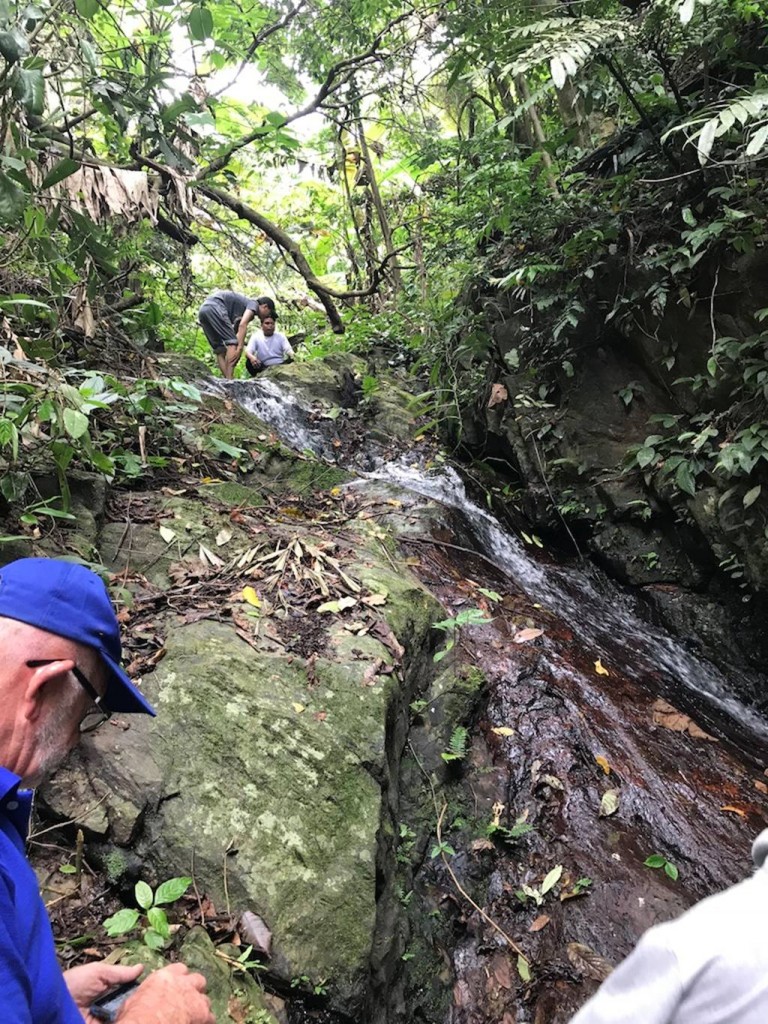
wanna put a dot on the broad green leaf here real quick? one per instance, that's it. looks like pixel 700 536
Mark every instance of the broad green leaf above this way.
pixel 200 24
pixel 645 457
pixel 75 423
pixel 29 90
pixel 172 890
pixel 68 869
pixel 158 920
pixel 62 170
pixel 12 200
pixel 87 8
pixel 671 871
pixel 523 968
pixel 153 939
pixel 684 478
pixel 552 878
pixel 143 895
pixel 751 496
pixel 13 45
pixel 121 922
pixel 655 861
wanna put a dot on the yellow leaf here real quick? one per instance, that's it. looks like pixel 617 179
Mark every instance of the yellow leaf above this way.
pixel 603 762
pixel 298 708
pixel 503 730
pixel 734 810
pixel 250 595
pixel 600 668
pixel 335 492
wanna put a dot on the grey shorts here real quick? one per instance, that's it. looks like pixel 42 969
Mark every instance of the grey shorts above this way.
pixel 217 327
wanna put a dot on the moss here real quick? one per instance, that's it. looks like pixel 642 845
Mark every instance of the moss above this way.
pixel 231 493
pixel 115 865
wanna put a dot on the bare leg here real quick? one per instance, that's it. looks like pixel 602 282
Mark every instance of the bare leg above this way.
pixel 221 359
pixel 233 356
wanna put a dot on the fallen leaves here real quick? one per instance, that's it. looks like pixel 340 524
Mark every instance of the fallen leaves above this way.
pixel 527 634
pixel 540 922
pixel 603 762
pixel 503 730
pixel 601 669
pixel 734 810
pixel 668 717
pixel 499 394
pixel 551 879
pixel 251 597
pixel 335 607
pixel 609 803
pixel 588 962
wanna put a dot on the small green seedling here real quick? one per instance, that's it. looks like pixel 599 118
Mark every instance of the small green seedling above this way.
pixel 469 617
pixel 656 860
pixel 157 931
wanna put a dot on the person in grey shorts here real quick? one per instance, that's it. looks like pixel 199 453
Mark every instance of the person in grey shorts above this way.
pixel 224 317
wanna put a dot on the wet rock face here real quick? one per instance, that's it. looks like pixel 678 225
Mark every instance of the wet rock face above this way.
pixel 568 458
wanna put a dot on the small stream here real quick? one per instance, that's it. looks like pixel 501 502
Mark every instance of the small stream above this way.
pixel 570 731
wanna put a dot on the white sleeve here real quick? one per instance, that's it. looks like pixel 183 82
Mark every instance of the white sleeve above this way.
pixel 646 988
pixel 287 350
pixel 256 337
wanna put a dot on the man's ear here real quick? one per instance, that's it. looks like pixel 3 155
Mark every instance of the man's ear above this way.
pixel 41 683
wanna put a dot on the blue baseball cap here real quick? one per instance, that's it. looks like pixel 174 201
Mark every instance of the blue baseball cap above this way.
pixel 69 600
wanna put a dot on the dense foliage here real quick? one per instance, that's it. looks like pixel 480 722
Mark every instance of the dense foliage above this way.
pixel 362 162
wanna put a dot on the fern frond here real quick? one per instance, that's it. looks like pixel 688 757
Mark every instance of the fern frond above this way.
pixel 567 45
pixel 742 112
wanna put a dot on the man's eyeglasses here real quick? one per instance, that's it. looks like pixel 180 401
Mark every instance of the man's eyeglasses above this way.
pixel 96 716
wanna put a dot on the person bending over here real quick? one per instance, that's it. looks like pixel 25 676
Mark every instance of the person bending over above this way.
pixel 224 317
pixel 60 676
pixel 267 347
pixel 710 966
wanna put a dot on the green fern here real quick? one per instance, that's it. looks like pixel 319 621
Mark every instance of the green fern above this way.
pixel 567 45
pixel 457 747
pixel 742 112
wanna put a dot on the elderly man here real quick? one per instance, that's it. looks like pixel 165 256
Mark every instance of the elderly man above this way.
pixel 60 675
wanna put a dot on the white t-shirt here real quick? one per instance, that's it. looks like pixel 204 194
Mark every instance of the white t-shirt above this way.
pixel 269 351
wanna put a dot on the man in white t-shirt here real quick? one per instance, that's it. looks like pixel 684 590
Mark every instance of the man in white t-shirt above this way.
pixel 267 347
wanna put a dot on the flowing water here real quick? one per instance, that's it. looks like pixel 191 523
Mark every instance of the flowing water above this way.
pixel 608 618
pixel 550 737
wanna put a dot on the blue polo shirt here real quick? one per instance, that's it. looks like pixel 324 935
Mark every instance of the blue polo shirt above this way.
pixel 32 989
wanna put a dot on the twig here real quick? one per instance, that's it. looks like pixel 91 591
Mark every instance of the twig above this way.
pixel 452 547
pixel 62 824
pixel 513 945
pixel 197 891
pixel 440 816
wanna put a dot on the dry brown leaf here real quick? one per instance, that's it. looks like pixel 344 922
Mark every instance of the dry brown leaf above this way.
pixel 668 717
pixel 541 922
pixel 527 634
pixel 502 972
pixel 499 394
pixel 603 762
pixel 761 786
pixel 479 845
pixel 255 932
pixel 588 961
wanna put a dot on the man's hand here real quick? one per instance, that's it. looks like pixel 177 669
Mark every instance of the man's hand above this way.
pixel 171 995
pixel 89 981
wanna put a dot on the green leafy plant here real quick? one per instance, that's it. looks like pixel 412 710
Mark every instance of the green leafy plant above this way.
pixel 468 617
pixel 457 746
pixel 658 861
pixel 154 921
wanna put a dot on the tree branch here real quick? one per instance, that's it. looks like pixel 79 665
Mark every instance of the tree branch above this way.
pixel 333 81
